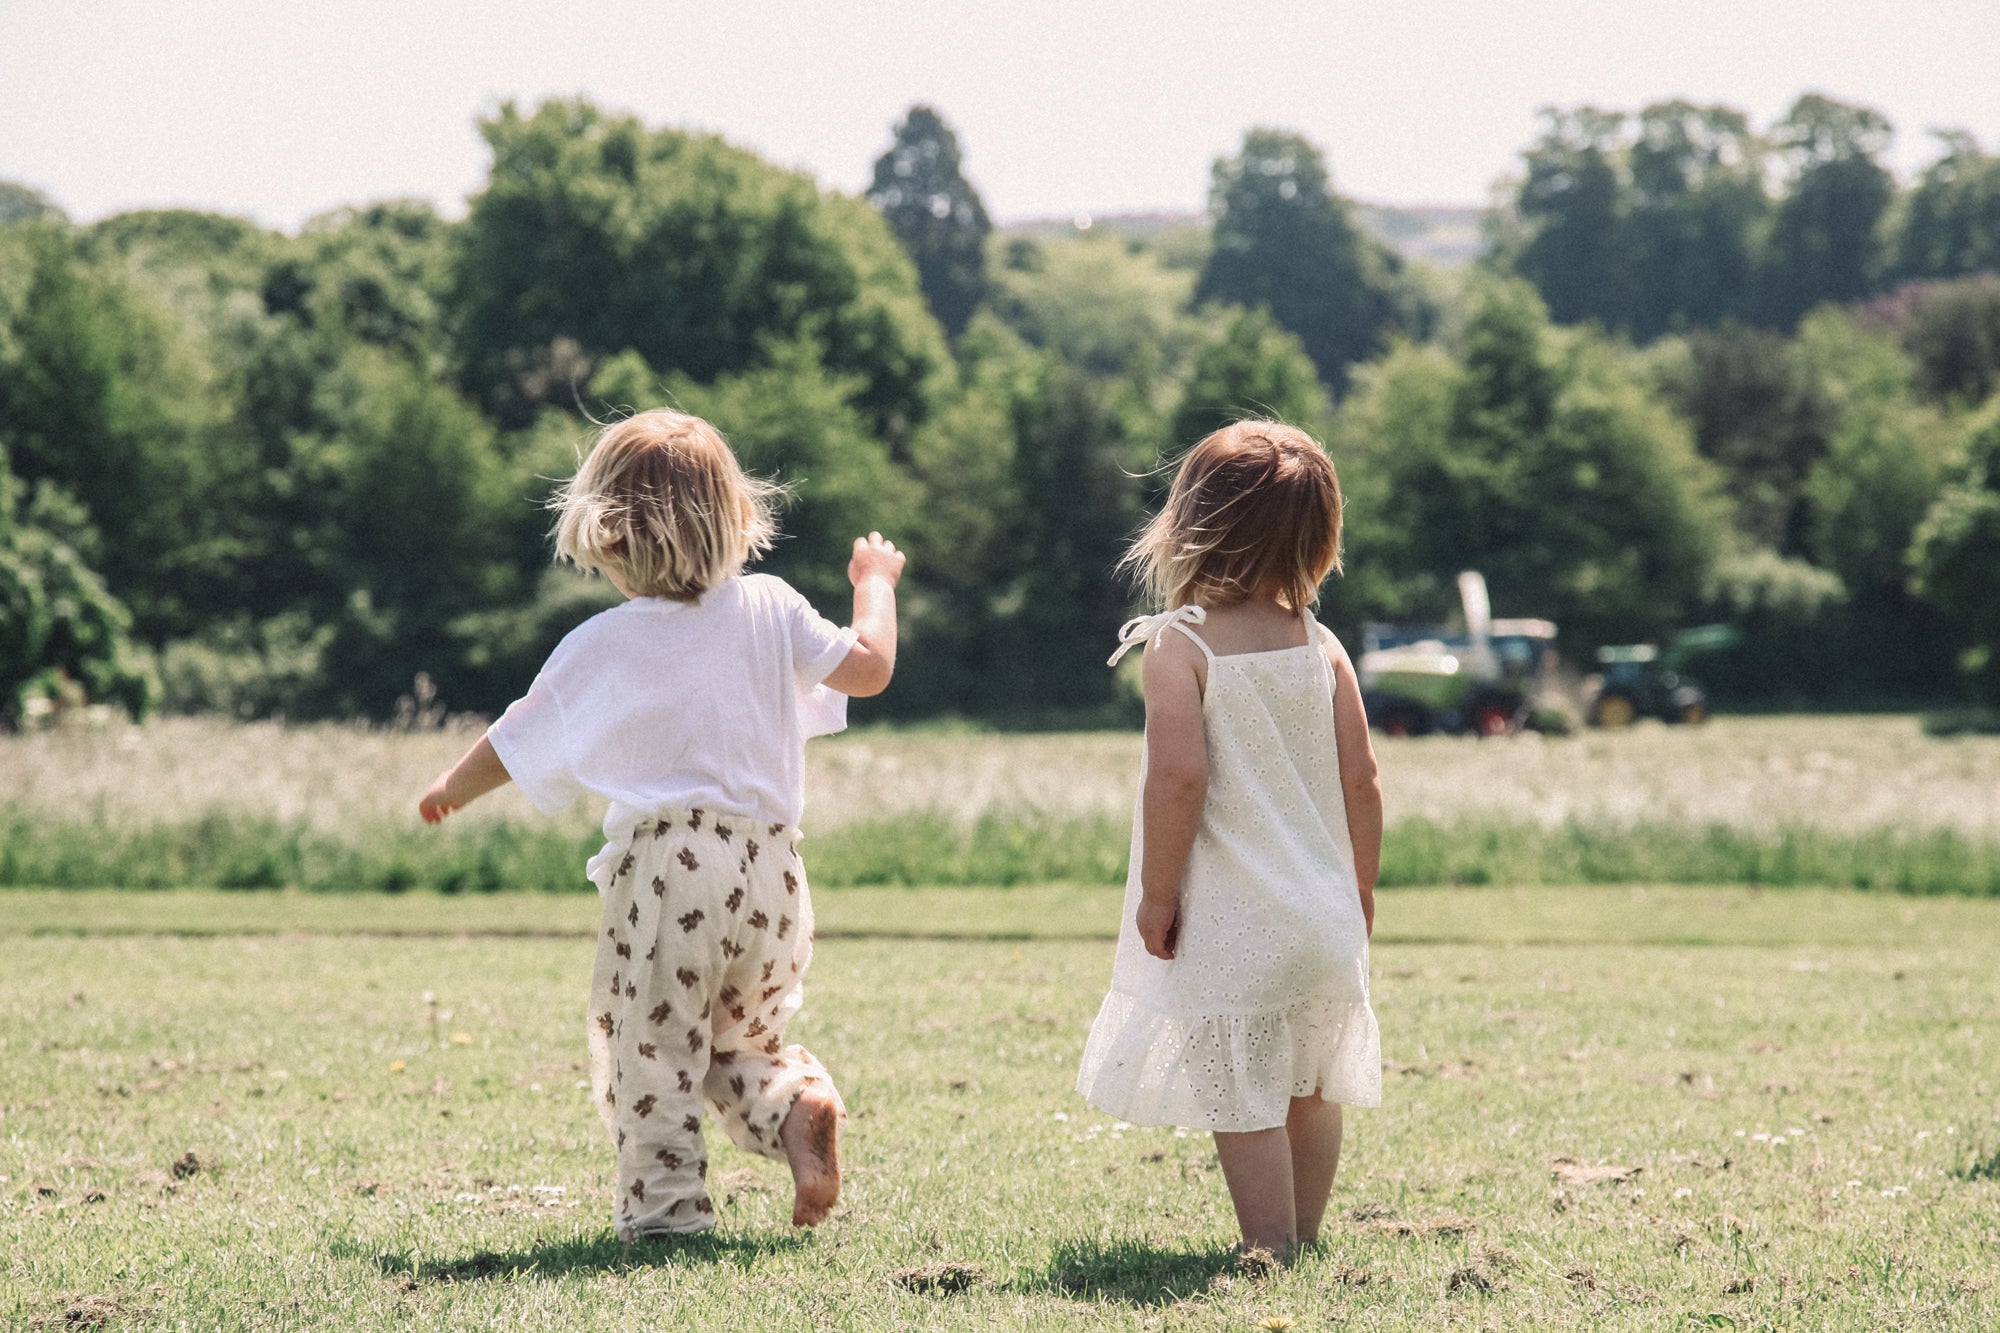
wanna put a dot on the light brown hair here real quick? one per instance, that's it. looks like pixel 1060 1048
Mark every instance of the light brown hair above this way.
pixel 1254 506
pixel 662 505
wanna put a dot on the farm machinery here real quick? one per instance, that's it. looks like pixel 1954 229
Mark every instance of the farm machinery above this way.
pixel 1416 680
pixel 1492 678
pixel 1638 680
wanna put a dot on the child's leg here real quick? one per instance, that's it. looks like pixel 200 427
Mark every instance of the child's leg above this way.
pixel 1258 1169
pixel 1313 1128
pixel 811 1135
pixel 772 1099
pixel 659 962
pixel 783 1106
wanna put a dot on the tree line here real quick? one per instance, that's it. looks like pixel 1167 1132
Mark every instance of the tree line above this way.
pixel 1683 216
pixel 273 474
pixel 1833 342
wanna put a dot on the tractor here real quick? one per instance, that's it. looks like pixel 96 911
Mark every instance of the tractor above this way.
pixel 1416 680
pixel 1638 680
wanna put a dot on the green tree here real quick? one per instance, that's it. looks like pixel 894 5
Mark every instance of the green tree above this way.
pixel 1571 202
pixel 1887 457
pixel 1402 400
pixel 418 526
pixel 1824 242
pixel 380 274
pixel 1285 241
pixel 1886 454
pixel 266 332
pixel 595 234
pixel 1761 415
pixel 961 536
pixel 1097 342
pixel 63 637
pixel 1691 226
pixel 1792 615
pixel 1953 330
pixel 1956 550
pixel 1254 369
pixel 1542 460
pixel 24 203
pixel 1078 454
pixel 1950 223
pixel 1113 311
pixel 920 187
pixel 102 393
pixel 189 256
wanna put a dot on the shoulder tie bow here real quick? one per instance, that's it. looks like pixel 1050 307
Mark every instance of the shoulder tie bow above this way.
pixel 1142 629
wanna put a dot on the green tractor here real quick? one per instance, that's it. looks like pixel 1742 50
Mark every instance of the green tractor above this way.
pixel 1639 680
pixel 1421 679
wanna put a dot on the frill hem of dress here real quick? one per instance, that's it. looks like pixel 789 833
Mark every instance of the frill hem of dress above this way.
pixel 1229 1072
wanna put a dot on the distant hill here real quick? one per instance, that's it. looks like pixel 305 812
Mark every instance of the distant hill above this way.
pixel 1139 226
pixel 1447 235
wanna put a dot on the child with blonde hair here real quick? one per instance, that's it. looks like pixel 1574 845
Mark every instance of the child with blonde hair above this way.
pixel 687 709
pixel 1239 995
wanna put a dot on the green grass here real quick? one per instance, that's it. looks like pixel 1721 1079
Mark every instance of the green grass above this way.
pixel 1806 1082
pixel 993 849
pixel 1929 861
pixel 1578 915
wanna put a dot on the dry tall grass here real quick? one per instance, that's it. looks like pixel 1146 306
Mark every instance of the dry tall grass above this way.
pixel 1842 774
pixel 1837 773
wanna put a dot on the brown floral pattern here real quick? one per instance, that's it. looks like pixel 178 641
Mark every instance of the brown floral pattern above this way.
pixel 716 929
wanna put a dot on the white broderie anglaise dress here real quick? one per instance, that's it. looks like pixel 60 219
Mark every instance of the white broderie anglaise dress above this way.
pixel 1267 997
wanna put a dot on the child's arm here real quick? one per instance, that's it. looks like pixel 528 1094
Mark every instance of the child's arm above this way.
pixel 1359 778
pixel 874 571
pixel 1176 787
pixel 479 772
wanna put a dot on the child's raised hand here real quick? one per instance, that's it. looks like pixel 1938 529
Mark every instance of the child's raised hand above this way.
pixel 875 555
pixel 1159 927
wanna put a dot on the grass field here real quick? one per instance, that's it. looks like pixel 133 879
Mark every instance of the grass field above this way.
pixel 1844 774
pixel 1856 802
pixel 1637 1108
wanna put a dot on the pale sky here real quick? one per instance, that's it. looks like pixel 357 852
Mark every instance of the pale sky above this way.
pixel 279 109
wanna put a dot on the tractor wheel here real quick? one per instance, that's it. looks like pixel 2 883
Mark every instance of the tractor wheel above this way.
pixel 1614 710
pixel 1693 715
pixel 1493 720
pixel 1404 722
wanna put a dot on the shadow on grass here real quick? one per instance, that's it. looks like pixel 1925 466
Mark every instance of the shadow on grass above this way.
pixel 549 1259
pixel 1981 1168
pixel 1133 1272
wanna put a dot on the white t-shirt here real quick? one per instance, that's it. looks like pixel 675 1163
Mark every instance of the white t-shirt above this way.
pixel 663 705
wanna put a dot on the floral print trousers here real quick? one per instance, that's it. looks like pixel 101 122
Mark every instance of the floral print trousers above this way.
pixel 701 961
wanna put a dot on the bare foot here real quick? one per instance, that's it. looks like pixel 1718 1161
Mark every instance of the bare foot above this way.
pixel 811 1135
pixel 1258 1261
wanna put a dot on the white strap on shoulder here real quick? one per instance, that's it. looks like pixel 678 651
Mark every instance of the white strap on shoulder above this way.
pixel 1144 629
pixel 1323 638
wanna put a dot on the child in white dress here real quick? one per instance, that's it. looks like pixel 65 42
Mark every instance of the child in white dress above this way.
pixel 1239 997
pixel 687 709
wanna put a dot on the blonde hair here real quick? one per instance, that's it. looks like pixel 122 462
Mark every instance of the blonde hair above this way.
pixel 1254 506
pixel 663 507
